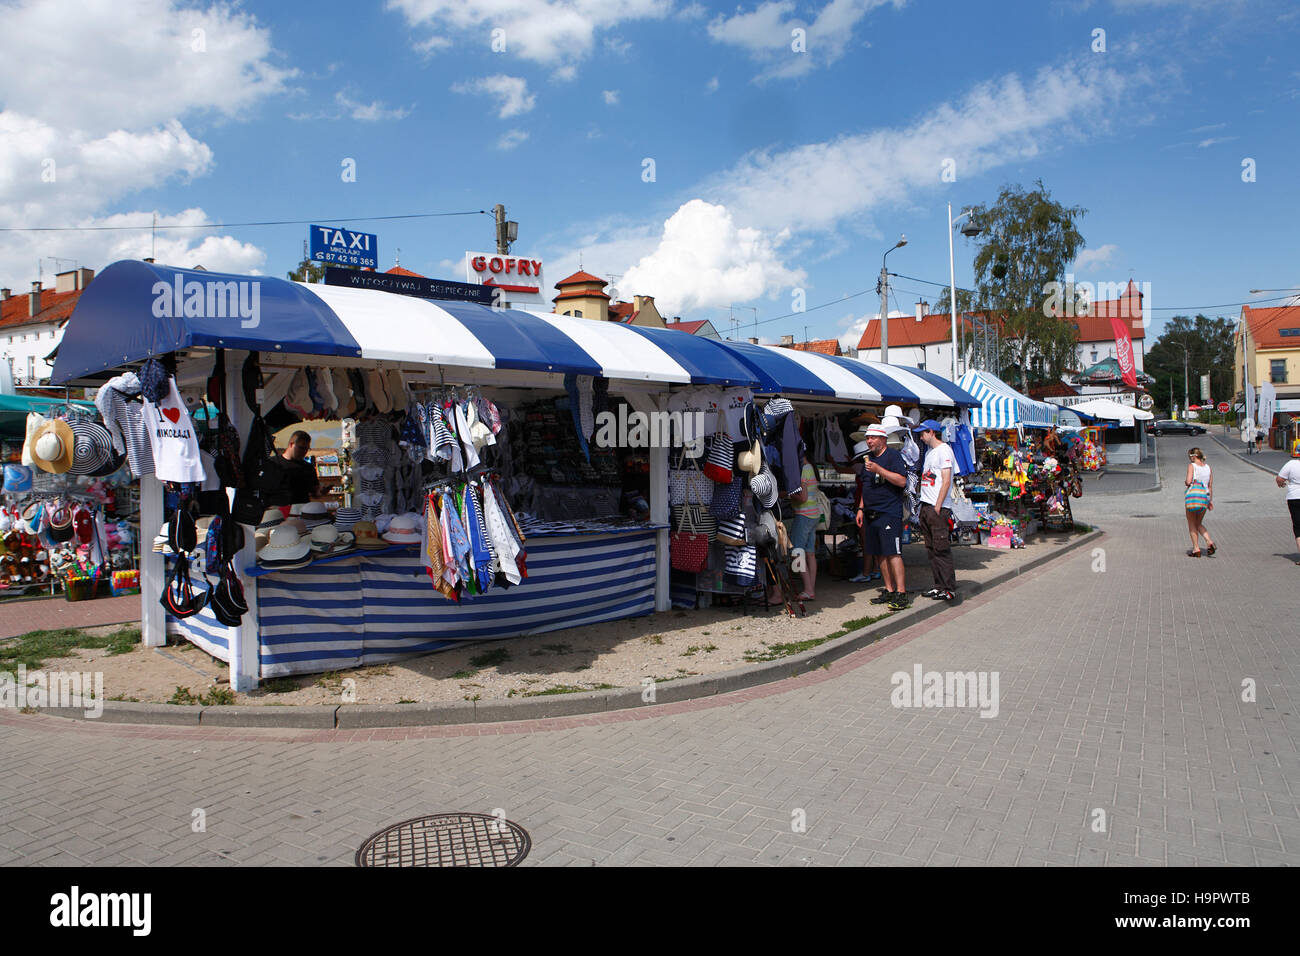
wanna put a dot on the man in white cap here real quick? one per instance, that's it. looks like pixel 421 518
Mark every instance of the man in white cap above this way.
pixel 880 513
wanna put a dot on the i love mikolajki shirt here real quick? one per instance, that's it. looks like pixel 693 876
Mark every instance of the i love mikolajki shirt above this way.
pixel 171 436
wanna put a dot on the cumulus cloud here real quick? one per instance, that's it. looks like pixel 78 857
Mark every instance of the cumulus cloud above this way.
pixel 541 31
pixel 511 138
pixel 93 113
pixel 1091 258
pixel 611 97
pixel 853 326
pixel 767 34
pixel 704 259
pixel 511 93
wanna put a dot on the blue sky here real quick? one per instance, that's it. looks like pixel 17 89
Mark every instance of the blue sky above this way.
pixel 774 170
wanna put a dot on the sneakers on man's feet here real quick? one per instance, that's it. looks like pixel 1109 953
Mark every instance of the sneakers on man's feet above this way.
pixel 859 579
pixel 948 596
pixel 899 602
pixel 884 597
pixel 933 593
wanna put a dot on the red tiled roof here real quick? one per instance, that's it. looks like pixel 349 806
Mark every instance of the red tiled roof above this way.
pixel 578 277
pixel 688 327
pixel 581 294
pixel 822 346
pixel 622 311
pixel 1266 326
pixel 1096 326
pixel 399 271
pixel 55 307
pixel 904 330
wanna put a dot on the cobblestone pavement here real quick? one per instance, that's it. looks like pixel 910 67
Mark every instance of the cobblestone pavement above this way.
pixel 1120 702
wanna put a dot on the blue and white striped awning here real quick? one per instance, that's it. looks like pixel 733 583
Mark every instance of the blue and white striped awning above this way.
pixel 134 310
pixel 1001 406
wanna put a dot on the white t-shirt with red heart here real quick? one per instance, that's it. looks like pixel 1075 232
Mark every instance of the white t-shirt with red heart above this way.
pixel 171 436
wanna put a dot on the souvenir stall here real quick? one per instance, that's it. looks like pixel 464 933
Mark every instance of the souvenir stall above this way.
pixel 398 367
pixel 1023 479
pixel 1116 428
pixel 65 515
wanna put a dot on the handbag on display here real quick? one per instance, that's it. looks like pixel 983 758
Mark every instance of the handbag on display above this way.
pixel 688 483
pixel 722 454
pixel 688 547
pixel 179 597
pixel 699 516
pixel 726 498
pixel 741 566
pixel 731 530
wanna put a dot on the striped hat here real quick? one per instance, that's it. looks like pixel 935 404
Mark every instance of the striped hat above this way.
pixel 345 518
pixel 764 487
pixel 92 448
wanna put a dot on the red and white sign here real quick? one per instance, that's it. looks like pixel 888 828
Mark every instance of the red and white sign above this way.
pixel 1223 407
pixel 1124 351
pixel 518 277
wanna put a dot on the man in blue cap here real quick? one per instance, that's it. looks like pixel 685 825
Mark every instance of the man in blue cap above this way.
pixel 937 473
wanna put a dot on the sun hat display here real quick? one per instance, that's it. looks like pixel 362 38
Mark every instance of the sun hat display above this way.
pixel 929 425
pixel 367 535
pixel 764 487
pixel 893 411
pixel 315 513
pixel 18 478
pixel 866 418
pixel 61 525
pixel 92 448
pixel 405 529
pixel 52 447
pixel 271 517
pixel 298 524
pixel 327 539
pixel 860 450
pixel 33 516
pixel 345 518
pixel 285 546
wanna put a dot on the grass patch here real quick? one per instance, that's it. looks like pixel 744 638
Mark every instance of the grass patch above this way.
pixel 464 675
pixel 279 685
pixel 217 696
pixel 490 658
pixel 652 639
pixel 407 700
pixel 681 672
pixel 772 652
pixel 123 697
pixel 330 680
pixel 565 689
pixel 467 697
pixel 34 648
pixel 699 649
pixel 854 625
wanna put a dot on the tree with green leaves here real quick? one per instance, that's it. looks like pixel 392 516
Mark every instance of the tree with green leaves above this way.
pixel 1027 242
pixel 308 271
pixel 1210 350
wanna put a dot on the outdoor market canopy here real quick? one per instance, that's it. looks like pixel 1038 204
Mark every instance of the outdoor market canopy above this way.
pixel 1001 406
pixel 135 309
pixel 15 408
pixel 1111 411
pixel 1108 372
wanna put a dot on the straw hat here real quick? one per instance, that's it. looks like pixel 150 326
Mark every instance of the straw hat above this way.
pixel 367 535
pixel 284 547
pixel 326 539
pixel 404 529
pixel 52 447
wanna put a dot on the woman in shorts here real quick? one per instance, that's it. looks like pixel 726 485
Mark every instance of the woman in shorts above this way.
pixel 1198 499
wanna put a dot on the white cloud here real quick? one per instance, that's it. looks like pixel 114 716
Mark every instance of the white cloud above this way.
pixel 711 86
pixel 1091 258
pixel 100 110
pixel 511 92
pixel 767 34
pixel 1215 140
pixel 548 32
pixel 854 325
pixel 611 97
pixel 704 259
pixel 511 138
pixel 995 124
pixel 345 107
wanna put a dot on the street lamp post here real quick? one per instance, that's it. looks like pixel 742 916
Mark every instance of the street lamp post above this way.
pixel 968 230
pixel 884 300
pixel 1184 348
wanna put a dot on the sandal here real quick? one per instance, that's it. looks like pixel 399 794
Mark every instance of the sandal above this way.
pixel 1212 549
pixel 1193 554
pixel 807 597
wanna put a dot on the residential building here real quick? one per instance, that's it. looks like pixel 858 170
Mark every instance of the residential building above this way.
pixel 924 343
pixel 1268 343
pixel 1097 334
pixel 583 296
pixel 31 324
pixel 701 327
pixel 820 346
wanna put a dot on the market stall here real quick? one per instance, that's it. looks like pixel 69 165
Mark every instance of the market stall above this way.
pixel 1117 426
pixel 591 534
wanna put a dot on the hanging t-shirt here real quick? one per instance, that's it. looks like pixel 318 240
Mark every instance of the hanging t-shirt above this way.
pixel 963 450
pixel 936 460
pixel 836 450
pixel 698 413
pixel 733 402
pixel 171 438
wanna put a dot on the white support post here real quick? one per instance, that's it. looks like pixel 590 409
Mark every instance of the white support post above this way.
pixel 245 661
pixel 153 621
pixel 659 511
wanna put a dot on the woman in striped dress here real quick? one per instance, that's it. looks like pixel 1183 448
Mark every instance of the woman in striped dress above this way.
pixel 1198 500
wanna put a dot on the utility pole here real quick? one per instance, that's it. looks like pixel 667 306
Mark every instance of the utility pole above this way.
pixel 884 300
pixel 506 232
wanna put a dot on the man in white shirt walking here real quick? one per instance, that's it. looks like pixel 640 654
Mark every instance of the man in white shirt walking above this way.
pixel 937 472
pixel 1289 478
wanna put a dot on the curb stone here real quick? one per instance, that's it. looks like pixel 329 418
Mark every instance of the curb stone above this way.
pixel 1242 458
pixel 356 716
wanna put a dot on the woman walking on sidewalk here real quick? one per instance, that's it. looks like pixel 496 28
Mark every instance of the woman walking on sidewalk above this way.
pixel 1199 499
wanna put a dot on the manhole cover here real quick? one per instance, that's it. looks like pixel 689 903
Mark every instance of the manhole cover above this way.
pixel 447 839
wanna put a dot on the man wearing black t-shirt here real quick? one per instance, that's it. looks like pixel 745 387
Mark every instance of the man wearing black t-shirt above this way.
pixel 880 513
pixel 300 479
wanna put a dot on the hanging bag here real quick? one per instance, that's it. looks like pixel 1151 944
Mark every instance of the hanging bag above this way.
pixel 722 454
pixel 726 498
pixel 179 597
pixel 688 548
pixel 1197 497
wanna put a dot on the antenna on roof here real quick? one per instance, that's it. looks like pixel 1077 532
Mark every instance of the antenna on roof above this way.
pixel 397 259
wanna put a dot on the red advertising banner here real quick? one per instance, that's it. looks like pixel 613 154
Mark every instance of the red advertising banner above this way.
pixel 1124 350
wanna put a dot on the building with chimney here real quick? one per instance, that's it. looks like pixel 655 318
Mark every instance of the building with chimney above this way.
pixel 583 296
pixel 31 324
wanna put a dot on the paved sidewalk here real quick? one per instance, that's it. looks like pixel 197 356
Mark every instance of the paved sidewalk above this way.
pixel 1147 715
pixel 1267 460
pixel 20 616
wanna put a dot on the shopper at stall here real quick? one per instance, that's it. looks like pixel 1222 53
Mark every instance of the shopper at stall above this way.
pixel 880 513
pixel 936 482
pixel 870 563
pixel 806 511
pixel 1199 498
pixel 300 479
pixel 1289 478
